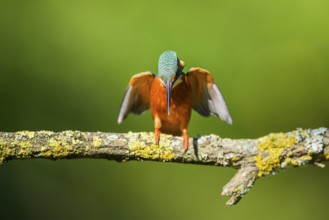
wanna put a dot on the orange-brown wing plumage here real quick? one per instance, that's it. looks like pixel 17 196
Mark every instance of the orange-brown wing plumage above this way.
pixel 137 96
pixel 207 99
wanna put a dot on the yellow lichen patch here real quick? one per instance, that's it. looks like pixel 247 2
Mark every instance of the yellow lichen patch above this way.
pixel 21 148
pixel 60 151
pixel 290 161
pixel 58 148
pixel 54 143
pixel 239 188
pixel 306 158
pixel 269 163
pixel 143 147
pixel 276 140
pixel 97 142
pixel 294 162
pixel 28 134
pixel 5 152
pixel 327 156
pixel 48 133
pixel 271 148
pixel 152 151
pixel 24 150
pixel 235 158
pixel 46 153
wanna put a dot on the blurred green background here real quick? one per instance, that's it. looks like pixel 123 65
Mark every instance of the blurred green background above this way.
pixel 66 64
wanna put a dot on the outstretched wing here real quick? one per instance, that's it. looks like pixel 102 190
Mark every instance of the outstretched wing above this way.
pixel 207 99
pixel 137 96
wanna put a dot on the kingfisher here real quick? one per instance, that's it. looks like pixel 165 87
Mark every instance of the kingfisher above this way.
pixel 171 95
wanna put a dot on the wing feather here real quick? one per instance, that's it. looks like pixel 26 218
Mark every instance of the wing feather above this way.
pixel 207 98
pixel 137 96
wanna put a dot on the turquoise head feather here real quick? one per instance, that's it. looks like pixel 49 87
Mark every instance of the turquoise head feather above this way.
pixel 168 65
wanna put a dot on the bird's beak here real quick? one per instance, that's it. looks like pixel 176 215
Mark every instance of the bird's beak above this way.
pixel 168 91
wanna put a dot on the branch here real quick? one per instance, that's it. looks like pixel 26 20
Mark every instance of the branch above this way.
pixel 253 158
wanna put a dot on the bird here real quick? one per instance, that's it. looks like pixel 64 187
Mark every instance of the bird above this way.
pixel 171 95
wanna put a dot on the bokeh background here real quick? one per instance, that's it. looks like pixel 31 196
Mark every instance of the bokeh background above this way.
pixel 64 65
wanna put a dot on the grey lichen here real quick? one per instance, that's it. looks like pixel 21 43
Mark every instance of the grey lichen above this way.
pixel 314 139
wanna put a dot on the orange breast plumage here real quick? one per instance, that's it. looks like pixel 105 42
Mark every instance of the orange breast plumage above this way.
pixel 180 108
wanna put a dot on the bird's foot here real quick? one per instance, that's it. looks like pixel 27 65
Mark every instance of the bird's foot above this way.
pixel 157 136
pixel 185 139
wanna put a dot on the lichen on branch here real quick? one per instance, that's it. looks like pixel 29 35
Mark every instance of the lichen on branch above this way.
pixel 253 158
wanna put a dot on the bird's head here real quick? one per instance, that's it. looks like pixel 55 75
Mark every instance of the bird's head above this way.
pixel 169 70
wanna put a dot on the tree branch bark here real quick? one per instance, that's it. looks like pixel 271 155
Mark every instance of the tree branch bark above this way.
pixel 253 158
